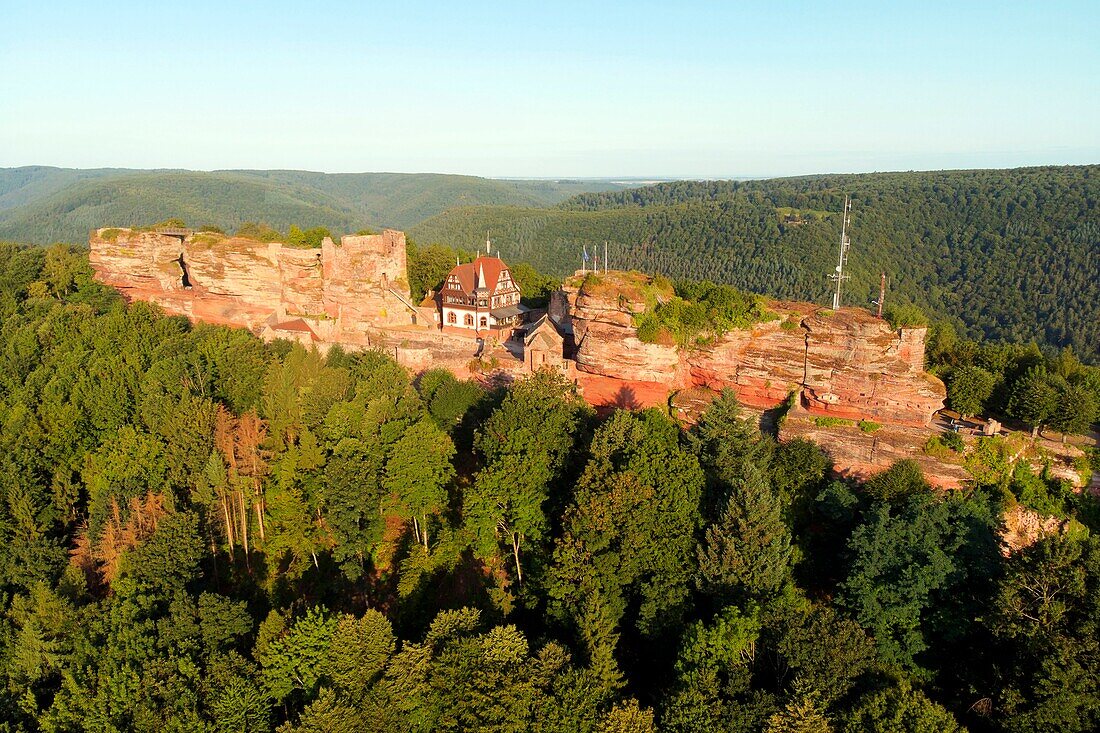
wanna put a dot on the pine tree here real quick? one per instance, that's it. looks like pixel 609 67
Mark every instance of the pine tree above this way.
pixel 727 446
pixel 746 554
pixel 802 714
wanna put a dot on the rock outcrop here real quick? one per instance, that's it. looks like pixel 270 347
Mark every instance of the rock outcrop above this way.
pixel 763 365
pixel 847 364
pixel 860 454
pixel 1024 527
pixel 603 330
pixel 342 293
pixel 355 293
pixel 857 366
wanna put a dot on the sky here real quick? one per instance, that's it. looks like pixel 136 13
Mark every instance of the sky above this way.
pixel 550 89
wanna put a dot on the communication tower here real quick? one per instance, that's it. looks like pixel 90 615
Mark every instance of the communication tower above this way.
pixel 839 277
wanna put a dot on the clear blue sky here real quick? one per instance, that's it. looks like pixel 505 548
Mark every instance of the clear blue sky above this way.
pixel 657 89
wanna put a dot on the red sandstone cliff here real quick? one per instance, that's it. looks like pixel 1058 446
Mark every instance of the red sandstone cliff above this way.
pixel 339 291
pixel 355 293
pixel 847 364
pixel 607 342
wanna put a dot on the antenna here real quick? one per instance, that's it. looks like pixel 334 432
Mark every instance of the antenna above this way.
pixel 881 294
pixel 839 277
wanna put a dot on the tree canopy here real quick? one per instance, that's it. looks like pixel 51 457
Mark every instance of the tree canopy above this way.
pixel 203 532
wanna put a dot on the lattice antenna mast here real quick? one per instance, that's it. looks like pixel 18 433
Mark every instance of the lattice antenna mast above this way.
pixel 845 244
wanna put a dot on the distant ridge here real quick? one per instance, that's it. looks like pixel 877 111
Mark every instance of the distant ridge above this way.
pixel 1004 254
pixel 41 204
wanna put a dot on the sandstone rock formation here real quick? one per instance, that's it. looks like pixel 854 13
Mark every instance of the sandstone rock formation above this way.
pixel 847 364
pixel 606 340
pixel 861 455
pixel 341 292
pixel 355 293
pixel 1024 527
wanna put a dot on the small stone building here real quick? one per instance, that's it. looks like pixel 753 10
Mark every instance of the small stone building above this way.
pixel 543 346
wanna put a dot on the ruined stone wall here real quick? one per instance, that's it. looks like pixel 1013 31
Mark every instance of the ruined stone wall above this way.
pixel 362 275
pixel 342 291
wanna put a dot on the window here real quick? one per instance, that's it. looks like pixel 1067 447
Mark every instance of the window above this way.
pixel 484 321
pixel 468 320
pixel 451 317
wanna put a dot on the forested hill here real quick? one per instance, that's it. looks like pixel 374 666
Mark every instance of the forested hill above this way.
pixel 1011 255
pixel 1008 254
pixel 42 205
pixel 202 532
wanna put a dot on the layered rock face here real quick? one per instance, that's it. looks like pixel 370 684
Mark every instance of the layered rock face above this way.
pixel 859 367
pixel 763 365
pixel 847 364
pixel 340 291
pixel 607 342
pixel 861 455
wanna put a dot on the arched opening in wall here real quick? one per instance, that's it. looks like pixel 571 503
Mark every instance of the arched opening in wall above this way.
pixel 185 277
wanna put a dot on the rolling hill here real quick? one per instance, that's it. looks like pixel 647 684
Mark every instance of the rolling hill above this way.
pixel 1003 254
pixel 1009 254
pixel 41 204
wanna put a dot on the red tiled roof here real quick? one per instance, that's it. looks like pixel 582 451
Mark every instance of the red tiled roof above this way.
pixel 468 273
pixel 295 325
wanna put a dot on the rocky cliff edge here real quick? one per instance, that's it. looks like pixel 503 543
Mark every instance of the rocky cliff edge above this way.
pixel 339 291
pixel 847 363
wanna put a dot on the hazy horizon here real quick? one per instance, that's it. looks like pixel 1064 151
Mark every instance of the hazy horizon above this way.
pixel 567 90
pixel 639 179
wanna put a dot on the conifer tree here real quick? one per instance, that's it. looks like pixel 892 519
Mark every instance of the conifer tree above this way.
pixel 804 713
pixel 727 445
pixel 746 554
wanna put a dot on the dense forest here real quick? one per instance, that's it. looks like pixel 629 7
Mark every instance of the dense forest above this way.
pixel 43 205
pixel 1010 255
pixel 201 532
